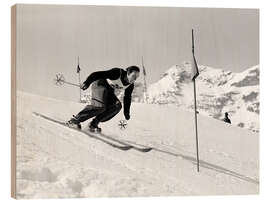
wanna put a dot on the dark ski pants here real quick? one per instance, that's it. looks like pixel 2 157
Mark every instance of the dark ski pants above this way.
pixel 104 104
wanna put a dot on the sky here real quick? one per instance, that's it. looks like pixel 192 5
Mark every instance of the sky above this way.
pixel 50 38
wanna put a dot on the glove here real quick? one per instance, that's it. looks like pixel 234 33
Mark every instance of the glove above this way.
pixel 127 116
pixel 84 86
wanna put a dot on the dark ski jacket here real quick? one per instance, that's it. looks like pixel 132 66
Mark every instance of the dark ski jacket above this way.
pixel 114 74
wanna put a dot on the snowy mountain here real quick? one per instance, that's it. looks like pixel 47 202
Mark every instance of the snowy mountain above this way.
pixel 54 161
pixel 218 91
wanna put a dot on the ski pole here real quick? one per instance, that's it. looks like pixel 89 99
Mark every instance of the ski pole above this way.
pixel 69 83
pixel 60 80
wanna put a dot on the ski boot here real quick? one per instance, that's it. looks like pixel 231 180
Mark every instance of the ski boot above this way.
pixel 93 127
pixel 74 123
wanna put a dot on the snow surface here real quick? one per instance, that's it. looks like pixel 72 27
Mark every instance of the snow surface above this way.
pixel 56 162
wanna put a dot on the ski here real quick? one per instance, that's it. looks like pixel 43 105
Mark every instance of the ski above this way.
pixel 121 147
pixel 135 146
pixel 121 144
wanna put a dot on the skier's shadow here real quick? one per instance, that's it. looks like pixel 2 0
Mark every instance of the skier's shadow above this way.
pixel 210 166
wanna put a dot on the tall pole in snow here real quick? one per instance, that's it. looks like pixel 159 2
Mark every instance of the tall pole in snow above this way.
pixel 145 86
pixel 195 74
pixel 79 75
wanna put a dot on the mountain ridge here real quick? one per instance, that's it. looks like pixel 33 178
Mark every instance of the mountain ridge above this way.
pixel 218 91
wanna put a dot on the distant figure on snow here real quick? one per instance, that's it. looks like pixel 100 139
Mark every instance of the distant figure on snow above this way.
pixel 104 103
pixel 226 118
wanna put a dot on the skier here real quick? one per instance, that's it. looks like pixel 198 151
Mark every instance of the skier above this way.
pixel 104 103
pixel 226 118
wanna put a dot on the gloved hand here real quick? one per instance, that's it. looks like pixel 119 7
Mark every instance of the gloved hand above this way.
pixel 127 116
pixel 84 86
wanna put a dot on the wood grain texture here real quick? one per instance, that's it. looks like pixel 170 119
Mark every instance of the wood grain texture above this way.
pixel 13 101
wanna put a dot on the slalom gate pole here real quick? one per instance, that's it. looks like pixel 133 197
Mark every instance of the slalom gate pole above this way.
pixel 195 110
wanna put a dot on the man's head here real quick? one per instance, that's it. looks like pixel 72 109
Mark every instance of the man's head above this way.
pixel 133 72
pixel 226 114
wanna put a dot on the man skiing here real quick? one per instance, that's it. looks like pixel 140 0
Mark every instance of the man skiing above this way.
pixel 226 118
pixel 104 103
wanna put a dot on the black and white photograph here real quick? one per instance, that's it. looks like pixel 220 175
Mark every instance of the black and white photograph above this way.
pixel 134 101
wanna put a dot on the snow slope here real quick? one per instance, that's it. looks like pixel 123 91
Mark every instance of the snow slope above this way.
pixel 218 91
pixel 56 162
